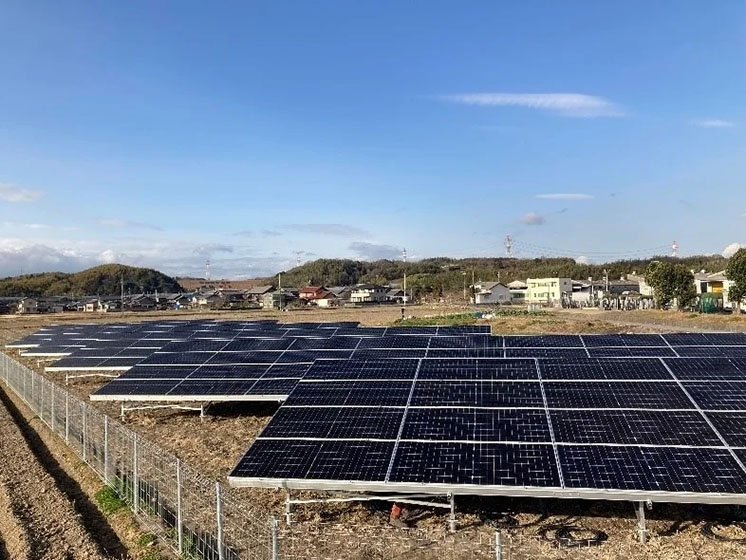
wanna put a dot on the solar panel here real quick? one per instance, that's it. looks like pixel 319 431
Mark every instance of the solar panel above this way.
pixel 477 394
pixel 544 341
pixel 659 469
pixel 616 394
pixel 474 424
pixel 335 423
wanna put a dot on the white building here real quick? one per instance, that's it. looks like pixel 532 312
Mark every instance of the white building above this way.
pixel 548 290
pixel 368 293
pixel 491 292
pixel 28 305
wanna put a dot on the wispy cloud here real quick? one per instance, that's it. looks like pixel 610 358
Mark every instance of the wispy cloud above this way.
pixel 713 123
pixel 209 248
pixel 564 104
pixel 565 196
pixel 13 193
pixel 122 223
pixel 532 219
pixel 732 249
pixel 243 233
pixel 270 233
pixel 340 230
pixel 375 251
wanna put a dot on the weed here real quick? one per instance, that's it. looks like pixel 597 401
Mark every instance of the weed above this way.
pixel 108 501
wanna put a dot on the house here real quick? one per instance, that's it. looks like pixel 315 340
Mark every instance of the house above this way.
pixel 368 293
pixel 207 299
pixel 279 299
pixel 109 305
pixel 177 301
pixel 28 305
pixel 327 299
pixel 311 292
pixel 491 293
pixel 518 291
pixel 643 288
pixel 342 292
pixel 257 293
pixel 230 296
pixel 90 305
pixel 396 295
pixel 8 305
pixel 548 290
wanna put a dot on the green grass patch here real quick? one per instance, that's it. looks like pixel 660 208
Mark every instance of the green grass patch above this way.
pixel 108 501
pixel 507 312
pixel 438 320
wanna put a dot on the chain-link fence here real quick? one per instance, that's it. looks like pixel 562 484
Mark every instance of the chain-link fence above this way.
pixel 200 520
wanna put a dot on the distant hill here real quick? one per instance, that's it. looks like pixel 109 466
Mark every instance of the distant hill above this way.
pixel 101 280
pixel 442 274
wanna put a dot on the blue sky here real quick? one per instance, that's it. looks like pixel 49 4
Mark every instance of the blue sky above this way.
pixel 165 134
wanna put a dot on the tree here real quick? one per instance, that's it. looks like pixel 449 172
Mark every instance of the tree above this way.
pixel 671 283
pixel 736 273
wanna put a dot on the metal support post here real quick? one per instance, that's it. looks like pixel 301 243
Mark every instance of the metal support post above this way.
pixel 67 418
pixel 135 481
pixel 106 449
pixel 642 531
pixel 121 413
pixel 202 412
pixel 288 508
pixel 41 406
pixel 85 429
pixel 54 394
pixel 452 516
pixel 219 515
pixel 499 545
pixel 180 528
pixel 273 526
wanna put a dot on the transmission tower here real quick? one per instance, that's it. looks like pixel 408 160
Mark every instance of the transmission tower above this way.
pixel 297 258
pixel 207 270
pixel 674 249
pixel 508 246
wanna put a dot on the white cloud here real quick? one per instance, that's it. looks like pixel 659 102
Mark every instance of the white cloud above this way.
pixel 565 196
pixel 12 193
pixel 340 230
pixel 564 104
pixel 122 223
pixel 731 249
pixel 714 123
pixel 532 219
pixel 375 251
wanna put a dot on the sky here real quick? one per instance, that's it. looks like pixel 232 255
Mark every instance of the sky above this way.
pixel 253 134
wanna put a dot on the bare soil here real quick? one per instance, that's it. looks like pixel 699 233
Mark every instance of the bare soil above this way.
pixel 355 530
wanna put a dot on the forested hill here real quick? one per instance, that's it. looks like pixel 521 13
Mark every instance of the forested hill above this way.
pixel 101 280
pixel 445 274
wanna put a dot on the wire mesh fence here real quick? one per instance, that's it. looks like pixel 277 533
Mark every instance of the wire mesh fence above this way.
pixel 200 520
pixel 189 512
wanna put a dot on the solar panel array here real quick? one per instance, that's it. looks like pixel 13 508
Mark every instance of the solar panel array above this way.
pixel 660 417
pixel 632 428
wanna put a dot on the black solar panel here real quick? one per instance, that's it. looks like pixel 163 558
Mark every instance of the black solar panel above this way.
pixel 544 341
pixel 637 427
pixel 514 465
pixel 335 423
pixel 604 368
pixel 546 353
pixel 619 394
pixel 477 394
pixel 351 393
pixel 651 468
pixel 716 369
pixel 478 370
pixel 724 395
pixel 650 351
pixel 474 424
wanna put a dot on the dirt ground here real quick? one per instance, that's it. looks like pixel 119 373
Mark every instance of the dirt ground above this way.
pixel 39 518
pixel 214 445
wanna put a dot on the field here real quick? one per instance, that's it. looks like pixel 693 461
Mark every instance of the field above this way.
pixel 214 445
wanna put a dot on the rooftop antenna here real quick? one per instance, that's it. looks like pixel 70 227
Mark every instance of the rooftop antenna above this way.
pixel 508 246
pixel 674 249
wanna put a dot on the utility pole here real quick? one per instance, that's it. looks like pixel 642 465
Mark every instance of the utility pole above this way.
pixel 404 258
pixel 279 288
pixel 463 275
pixel 121 293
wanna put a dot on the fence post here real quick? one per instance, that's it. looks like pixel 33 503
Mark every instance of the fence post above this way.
pixel 54 395
pixel 498 545
pixel 106 449
pixel 41 406
pixel 219 514
pixel 67 418
pixel 135 481
pixel 273 524
pixel 180 531
pixel 85 429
